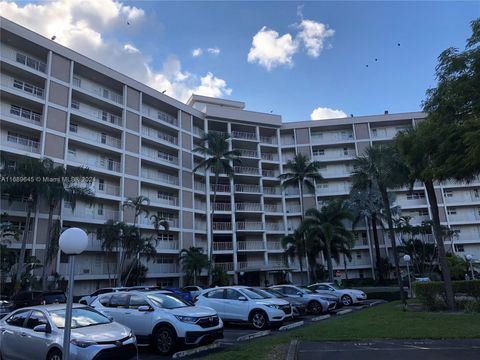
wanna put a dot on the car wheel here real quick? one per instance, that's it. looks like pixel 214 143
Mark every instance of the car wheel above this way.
pixel 259 320
pixel 54 355
pixel 314 307
pixel 164 340
pixel 346 300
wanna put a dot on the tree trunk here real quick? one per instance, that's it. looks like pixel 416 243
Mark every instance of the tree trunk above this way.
pixel 21 260
pixel 437 231
pixel 307 270
pixel 386 205
pixel 328 255
pixel 378 259
pixel 212 213
pixel 46 261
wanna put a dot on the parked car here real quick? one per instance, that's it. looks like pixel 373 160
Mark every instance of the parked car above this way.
pixel 245 304
pixel 88 299
pixel 315 303
pixel 37 333
pixel 346 296
pixel 299 307
pixel 32 298
pixel 161 318
pixel 185 295
pixel 6 306
pixel 193 290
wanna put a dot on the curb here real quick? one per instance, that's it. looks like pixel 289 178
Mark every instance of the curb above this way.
pixel 377 303
pixel 291 326
pixel 319 318
pixel 182 354
pixel 292 350
pixel 343 312
pixel 254 335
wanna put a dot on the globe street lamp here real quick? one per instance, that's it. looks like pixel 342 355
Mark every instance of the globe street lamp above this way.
pixel 407 259
pixel 72 242
pixel 469 258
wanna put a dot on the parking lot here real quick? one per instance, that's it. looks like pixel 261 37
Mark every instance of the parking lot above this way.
pixel 232 332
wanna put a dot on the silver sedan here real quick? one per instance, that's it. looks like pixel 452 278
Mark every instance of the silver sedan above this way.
pixel 37 332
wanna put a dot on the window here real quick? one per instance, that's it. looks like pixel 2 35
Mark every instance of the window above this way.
pixel 119 300
pixel 36 318
pixel 100 209
pixel 452 211
pixel 18 319
pixel 75 104
pixel 232 294
pixel 101 184
pixel 289 291
pixel 423 212
pixel 415 195
pixel 459 248
pixel 322 287
pixel 475 193
pixel 103 138
pixel 136 301
pixel 319 152
pixel 359 255
pixel 215 294
pixel 360 274
pixel 111 163
pixel 105 300
pixel 77 81
pixel 73 127
pixel 72 152
pixel 374 132
pixel 447 193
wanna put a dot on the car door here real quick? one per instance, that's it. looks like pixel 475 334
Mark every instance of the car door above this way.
pixel 139 321
pixel 36 342
pixel 291 291
pixel 236 309
pixel 116 307
pixel 323 289
pixel 13 342
pixel 214 299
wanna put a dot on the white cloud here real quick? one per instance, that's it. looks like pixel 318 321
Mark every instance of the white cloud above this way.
pixel 271 50
pixel 313 35
pixel 197 52
pixel 213 51
pixel 89 27
pixel 322 113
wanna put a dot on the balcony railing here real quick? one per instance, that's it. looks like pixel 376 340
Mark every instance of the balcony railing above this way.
pixel 270 173
pixel 222 226
pixel 30 62
pixel 322 155
pixel 96 89
pixel 244 135
pixel 200 205
pixel 17 84
pixel 247 188
pixel 273 208
pixel 159 115
pixel 199 132
pixel 200 225
pixel 268 139
pixel 220 188
pixel 167 245
pixel 249 225
pixel 159 135
pixel 222 245
pixel 292 191
pixel 219 206
pixel 159 197
pixel 21 113
pixel 199 186
pixel 287 140
pixel 224 266
pixel 250 264
pixel 108 189
pixel 159 268
pixel 248 206
pixel 103 115
pixel 164 178
pixel 272 190
pixel 293 209
pixel 270 157
pixel 159 155
pixel 21 143
pixel 274 226
pixel 247 153
pixel 250 245
pixel 274 245
pixel 246 170
pixel 94 136
pixel 91 213
pixel 172 222
pixel 276 263
pixel 107 164
pixel 331 136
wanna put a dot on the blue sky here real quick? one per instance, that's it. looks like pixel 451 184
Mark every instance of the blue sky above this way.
pixel 337 77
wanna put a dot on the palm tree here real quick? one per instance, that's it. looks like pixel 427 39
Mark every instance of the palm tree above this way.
pixel 328 225
pixel 66 188
pixel 417 147
pixel 218 159
pixel 302 172
pixel 139 204
pixel 193 260
pixel 32 169
pixel 159 221
pixel 110 237
pixel 294 247
pixel 380 166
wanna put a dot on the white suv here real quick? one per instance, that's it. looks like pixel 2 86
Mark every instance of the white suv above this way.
pixel 161 318
pixel 245 304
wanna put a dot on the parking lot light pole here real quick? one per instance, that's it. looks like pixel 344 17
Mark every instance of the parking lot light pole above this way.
pixel 407 259
pixel 73 241
pixel 469 258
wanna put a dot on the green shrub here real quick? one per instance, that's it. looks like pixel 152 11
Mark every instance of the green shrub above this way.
pixel 432 294
pixel 384 295
pixel 472 306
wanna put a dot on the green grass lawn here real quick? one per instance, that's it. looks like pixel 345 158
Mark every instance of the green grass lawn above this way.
pixel 386 321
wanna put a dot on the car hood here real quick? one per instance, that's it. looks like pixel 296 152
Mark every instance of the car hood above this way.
pixel 272 301
pixel 195 311
pixel 105 332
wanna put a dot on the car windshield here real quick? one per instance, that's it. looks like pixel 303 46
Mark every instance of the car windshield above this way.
pixel 81 317
pixel 335 286
pixel 167 301
pixel 275 293
pixel 307 290
pixel 255 293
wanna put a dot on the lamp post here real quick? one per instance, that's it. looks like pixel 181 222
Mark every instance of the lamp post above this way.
pixel 469 258
pixel 407 259
pixel 73 241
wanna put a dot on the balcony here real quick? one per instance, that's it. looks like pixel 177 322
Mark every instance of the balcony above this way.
pixel 249 226
pixel 87 268
pixel 293 209
pixel 21 113
pixel 273 208
pixel 248 207
pixel 222 226
pixel 107 189
pixel 268 140
pixel 160 197
pixel 13 203
pixel 22 86
pixel 271 226
pixel 386 133
pixel 23 59
pixel 287 140
pixel 159 115
pixel 200 225
pixel 167 245
pixel 159 176
pixel 247 188
pixel 99 162
pixel 270 173
pixel 200 205
pixel 159 268
pixel 198 131
pixel 272 190
pixel 159 155
pixel 220 188
pixel 323 189
pixel 250 245
pixel 274 245
pixel 172 222
pixel 464 216
pixel 99 138
pixel 250 264
pixel 82 109
pixel 461 197
pixel 333 155
pixel 270 157
pixel 331 136
pixel 220 206
pixel 292 191
pixel 247 170
pixel 20 142
pixel 277 264
pixel 247 153
pixel 199 186
pixel 244 135
pixel 222 246
pixel 158 135
pixel 97 90
pixel 224 266
pixel 90 213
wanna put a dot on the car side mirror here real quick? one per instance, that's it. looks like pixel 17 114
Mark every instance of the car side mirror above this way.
pixel 144 308
pixel 300 294
pixel 43 328
pixel 332 289
pixel 242 298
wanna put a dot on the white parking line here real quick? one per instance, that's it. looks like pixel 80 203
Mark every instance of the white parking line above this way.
pixel 291 326
pixel 197 350
pixel 254 335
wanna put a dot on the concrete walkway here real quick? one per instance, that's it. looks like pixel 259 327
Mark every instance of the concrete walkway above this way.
pixel 390 350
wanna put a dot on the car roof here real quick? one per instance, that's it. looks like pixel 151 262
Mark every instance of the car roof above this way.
pixel 53 307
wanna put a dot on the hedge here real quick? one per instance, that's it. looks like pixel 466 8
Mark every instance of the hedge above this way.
pixel 432 293
pixel 384 295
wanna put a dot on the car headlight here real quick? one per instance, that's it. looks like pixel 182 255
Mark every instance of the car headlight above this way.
pixel 131 335
pixel 187 319
pixel 82 344
pixel 273 306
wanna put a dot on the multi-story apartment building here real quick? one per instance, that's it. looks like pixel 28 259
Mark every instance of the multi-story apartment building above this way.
pixel 59 104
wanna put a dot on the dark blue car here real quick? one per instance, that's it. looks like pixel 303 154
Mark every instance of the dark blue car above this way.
pixel 185 295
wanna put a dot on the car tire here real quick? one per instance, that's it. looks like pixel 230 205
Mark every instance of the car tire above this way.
pixel 346 300
pixel 164 340
pixel 54 355
pixel 259 320
pixel 314 307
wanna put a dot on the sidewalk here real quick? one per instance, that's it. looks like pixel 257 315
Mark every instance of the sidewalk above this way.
pixel 388 350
